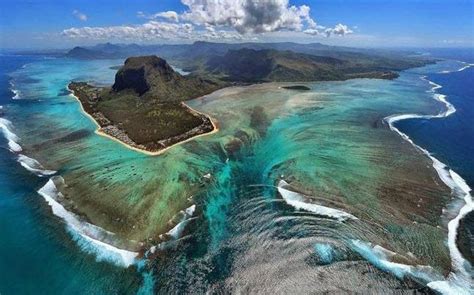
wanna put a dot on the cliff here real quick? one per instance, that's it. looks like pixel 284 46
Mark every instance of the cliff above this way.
pixel 153 78
pixel 144 108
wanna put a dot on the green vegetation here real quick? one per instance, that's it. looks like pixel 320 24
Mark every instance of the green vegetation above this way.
pixel 153 79
pixel 249 65
pixel 285 61
pixel 144 106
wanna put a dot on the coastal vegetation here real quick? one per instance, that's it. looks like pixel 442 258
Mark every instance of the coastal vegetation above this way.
pixel 263 62
pixel 144 107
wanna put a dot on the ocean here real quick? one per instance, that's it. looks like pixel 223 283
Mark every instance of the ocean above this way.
pixel 250 228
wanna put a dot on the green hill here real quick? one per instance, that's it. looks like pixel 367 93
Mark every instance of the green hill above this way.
pixel 250 65
pixel 144 108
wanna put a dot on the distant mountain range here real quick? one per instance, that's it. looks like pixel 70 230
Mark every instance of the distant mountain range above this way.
pixel 249 65
pixel 202 48
pixel 257 62
pixel 144 107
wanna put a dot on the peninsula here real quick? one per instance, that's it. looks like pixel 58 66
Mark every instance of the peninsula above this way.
pixel 144 109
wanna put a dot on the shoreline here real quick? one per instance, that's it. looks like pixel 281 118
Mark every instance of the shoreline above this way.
pixel 215 129
pixel 459 188
pixel 79 229
pixel 85 234
pixel 99 131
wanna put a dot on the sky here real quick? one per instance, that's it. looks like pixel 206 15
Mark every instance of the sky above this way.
pixel 45 24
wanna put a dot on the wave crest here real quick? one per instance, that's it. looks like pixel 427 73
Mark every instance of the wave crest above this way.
pixel 461 267
pixel 11 137
pixel 34 166
pixel 297 201
pixel 85 234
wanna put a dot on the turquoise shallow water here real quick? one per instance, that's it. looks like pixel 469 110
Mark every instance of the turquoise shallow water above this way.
pixel 330 143
pixel 37 255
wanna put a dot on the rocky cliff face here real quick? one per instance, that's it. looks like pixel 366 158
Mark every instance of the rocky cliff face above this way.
pixel 153 78
pixel 144 72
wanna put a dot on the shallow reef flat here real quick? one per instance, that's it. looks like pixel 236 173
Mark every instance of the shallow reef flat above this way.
pixel 330 143
pixel 333 146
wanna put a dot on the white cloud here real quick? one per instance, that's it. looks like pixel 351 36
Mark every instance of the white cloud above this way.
pixel 79 15
pixel 339 29
pixel 150 31
pixel 215 20
pixel 246 16
pixel 312 32
pixel 168 15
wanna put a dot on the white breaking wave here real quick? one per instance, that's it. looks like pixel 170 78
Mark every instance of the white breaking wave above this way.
pixel 17 94
pixel 380 257
pixel 14 90
pixel 85 234
pixel 34 166
pixel 12 138
pixel 466 66
pixel 28 163
pixel 176 231
pixel 461 277
pixel 297 201
pixel 190 210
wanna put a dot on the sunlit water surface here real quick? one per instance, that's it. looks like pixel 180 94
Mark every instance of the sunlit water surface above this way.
pixel 330 143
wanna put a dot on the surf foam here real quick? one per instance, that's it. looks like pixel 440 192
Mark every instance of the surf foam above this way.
pixel 15 91
pixel 28 163
pixel 466 66
pixel 461 277
pixel 12 138
pixel 34 166
pixel 380 257
pixel 297 201
pixel 176 231
pixel 17 94
pixel 85 234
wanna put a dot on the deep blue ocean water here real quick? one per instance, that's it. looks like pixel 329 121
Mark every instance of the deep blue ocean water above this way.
pixel 37 256
pixel 450 139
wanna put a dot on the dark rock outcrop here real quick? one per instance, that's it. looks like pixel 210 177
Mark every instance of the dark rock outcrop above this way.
pixel 143 72
pixel 153 78
pixel 297 87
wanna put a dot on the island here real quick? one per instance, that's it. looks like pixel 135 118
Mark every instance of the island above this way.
pixel 297 87
pixel 144 109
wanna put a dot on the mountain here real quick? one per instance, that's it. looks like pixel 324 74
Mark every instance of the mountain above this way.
pixel 198 56
pixel 144 107
pixel 249 65
pixel 85 53
pixel 200 49
pixel 115 51
pixel 272 65
pixel 152 77
pixel 257 62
